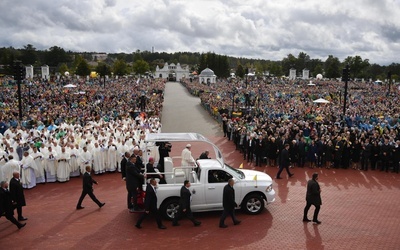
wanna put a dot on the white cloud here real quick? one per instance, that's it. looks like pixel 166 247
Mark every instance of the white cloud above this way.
pixel 253 28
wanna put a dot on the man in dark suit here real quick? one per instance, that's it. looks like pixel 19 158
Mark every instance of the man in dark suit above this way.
pixel 313 197
pixel 17 195
pixel 251 143
pixel 134 180
pixel 184 205
pixel 151 172
pixel 204 155
pixel 124 161
pixel 229 204
pixel 284 162
pixel 88 189
pixel 7 206
pixel 150 204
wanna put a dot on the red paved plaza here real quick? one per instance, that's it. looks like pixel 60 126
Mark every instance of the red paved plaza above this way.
pixel 360 211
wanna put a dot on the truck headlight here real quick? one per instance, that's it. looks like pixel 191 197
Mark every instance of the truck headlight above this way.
pixel 268 189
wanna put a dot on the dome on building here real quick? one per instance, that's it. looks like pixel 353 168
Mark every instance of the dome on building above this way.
pixel 207 72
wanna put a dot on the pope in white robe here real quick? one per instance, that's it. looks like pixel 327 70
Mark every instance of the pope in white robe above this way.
pixel 187 161
pixel 63 168
pixel 28 178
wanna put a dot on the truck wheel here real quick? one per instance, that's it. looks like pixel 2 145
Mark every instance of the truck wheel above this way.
pixel 169 208
pixel 253 204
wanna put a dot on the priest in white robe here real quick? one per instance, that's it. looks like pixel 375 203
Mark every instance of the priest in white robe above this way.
pixel 74 161
pixel 63 168
pixel 28 178
pixel 10 167
pixel 98 163
pixel 85 159
pixel 38 158
pixel 51 165
pixel 112 158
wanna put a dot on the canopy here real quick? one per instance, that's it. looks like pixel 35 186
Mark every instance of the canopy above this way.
pixel 321 100
pixel 70 86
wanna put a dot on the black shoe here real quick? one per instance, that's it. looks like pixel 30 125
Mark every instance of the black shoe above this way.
pixel 21 225
pixel 22 218
pixel 237 222
pixel 102 204
pixel 78 208
pixel 162 227
pixel 197 223
pixel 306 220
pixel 223 226
pixel 316 222
pixel 138 226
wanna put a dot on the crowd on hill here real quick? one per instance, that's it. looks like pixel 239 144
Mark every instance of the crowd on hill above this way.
pixel 65 129
pixel 260 117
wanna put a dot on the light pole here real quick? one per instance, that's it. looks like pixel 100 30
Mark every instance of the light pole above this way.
pixel 233 100
pixel 345 77
pixel 389 77
pixel 18 76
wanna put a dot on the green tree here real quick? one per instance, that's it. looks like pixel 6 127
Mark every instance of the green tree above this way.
pixel 120 67
pixel 140 67
pixel 332 67
pixel 83 68
pixel 288 63
pixel 28 54
pixel 240 71
pixel 63 68
pixel 56 55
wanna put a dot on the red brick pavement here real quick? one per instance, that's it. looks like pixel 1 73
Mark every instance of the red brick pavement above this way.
pixel 360 211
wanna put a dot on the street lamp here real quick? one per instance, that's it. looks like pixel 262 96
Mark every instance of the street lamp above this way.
pixel 345 78
pixel 234 92
pixel 247 73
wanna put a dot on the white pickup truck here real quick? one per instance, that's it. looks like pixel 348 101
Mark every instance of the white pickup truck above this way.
pixel 208 178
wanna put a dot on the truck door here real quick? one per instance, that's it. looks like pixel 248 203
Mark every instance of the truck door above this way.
pixel 197 190
pixel 214 187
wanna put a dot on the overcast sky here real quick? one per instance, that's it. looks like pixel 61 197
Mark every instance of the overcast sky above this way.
pixel 266 29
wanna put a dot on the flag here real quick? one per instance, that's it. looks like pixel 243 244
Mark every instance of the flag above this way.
pixel 255 178
pixel 241 165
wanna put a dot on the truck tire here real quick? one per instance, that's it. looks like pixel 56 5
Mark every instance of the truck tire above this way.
pixel 169 208
pixel 253 204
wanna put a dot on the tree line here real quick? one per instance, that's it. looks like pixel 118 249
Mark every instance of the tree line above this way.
pixel 142 62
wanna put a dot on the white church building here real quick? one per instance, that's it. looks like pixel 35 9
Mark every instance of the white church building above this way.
pixel 172 72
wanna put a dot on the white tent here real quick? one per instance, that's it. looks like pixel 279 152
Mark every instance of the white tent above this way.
pixel 321 100
pixel 70 86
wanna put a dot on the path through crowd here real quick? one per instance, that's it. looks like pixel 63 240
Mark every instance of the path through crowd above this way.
pixel 183 113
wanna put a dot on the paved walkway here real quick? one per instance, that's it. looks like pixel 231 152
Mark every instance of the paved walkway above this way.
pixel 360 209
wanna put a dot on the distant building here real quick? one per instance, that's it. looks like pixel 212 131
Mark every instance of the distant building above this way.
pixel 292 74
pixel 99 56
pixel 207 76
pixel 306 74
pixel 172 72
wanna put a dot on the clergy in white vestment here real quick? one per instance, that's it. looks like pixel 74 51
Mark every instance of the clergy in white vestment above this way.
pixel 74 161
pixel 187 160
pixel 85 159
pixel 10 167
pixel 13 152
pixel 28 178
pixel 51 164
pixel 98 163
pixel 63 168
pixel 112 158
pixel 39 159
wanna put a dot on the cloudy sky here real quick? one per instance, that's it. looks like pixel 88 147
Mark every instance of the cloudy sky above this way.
pixel 267 29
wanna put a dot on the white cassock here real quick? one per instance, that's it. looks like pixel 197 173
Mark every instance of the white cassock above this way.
pixel 98 164
pixel 3 157
pixel 74 162
pixel 112 159
pixel 63 168
pixel 85 159
pixel 9 168
pixel 187 161
pixel 28 178
pixel 38 158
pixel 50 166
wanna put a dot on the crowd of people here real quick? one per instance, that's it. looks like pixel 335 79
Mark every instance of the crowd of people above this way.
pixel 261 116
pixel 66 129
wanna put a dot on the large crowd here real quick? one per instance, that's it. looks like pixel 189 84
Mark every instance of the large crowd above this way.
pixel 261 116
pixel 63 130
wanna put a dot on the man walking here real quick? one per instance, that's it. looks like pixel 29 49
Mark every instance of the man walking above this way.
pixel 184 205
pixel 313 197
pixel 88 189
pixel 284 162
pixel 6 205
pixel 151 205
pixel 17 195
pixel 229 204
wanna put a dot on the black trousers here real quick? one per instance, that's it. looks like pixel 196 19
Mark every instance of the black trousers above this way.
pixel 281 169
pixel 188 213
pixel 225 213
pixel 156 215
pixel 129 200
pixel 316 211
pixel 19 211
pixel 11 218
pixel 364 163
pixel 91 195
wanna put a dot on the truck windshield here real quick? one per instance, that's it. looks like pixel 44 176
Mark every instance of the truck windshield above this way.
pixel 234 171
